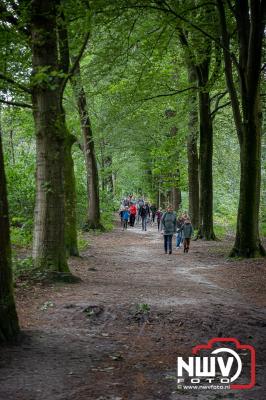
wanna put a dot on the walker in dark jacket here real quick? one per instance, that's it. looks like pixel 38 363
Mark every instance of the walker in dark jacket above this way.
pixel 144 212
pixel 168 224
pixel 188 232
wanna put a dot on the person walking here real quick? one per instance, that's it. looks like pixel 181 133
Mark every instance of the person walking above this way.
pixel 121 211
pixel 144 212
pixel 153 209
pixel 188 232
pixel 179 233
pixel 125 217
pixel 168 225
pixel 140 204
pixel 133 212
pixel 159 215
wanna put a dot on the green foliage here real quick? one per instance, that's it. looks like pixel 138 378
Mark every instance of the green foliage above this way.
pixel 22 267
pixel 131 70
pixel 263 228
pixel 21 237
pixel 82 241
pixel 143 308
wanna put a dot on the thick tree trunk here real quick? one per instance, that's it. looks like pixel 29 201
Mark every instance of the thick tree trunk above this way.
pixel 205 161
pixel 176 198
pixel 250 24
pixel 8 317
pixel 48 243
pixel 93 221
pixel 192 152
pixel 71 240
pixel 247 241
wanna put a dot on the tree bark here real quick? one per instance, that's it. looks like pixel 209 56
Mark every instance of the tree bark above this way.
pixel 192 151
pixel 206 231
pixel 247 242
pixel 250 24
pixel 109 174
pixel 9 327
pixel 71 240
pixel 93 221
pixel 176 198
pixel 48 242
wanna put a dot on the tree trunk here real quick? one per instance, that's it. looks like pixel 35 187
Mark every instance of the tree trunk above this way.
pixel 247 241
pixel 206 182
pixel 205 158
pixel 109 175
pixel 114 183
pixel 48 242
pixel 9 327
pixel 250 25
pixel 71 240
pixel 176 198
pixel 93 221
pixel 192 152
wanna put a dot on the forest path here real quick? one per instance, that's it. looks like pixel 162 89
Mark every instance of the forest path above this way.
pixel 88 341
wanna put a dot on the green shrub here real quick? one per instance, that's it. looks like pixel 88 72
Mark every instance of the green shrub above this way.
pixel 21 237
pixel 22 266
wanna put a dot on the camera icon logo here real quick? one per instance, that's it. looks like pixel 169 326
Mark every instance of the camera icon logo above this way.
pixel 222 363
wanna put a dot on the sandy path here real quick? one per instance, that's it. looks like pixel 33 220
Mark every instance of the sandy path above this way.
pixel 111 353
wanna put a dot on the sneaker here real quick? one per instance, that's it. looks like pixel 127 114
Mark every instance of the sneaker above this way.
pixel 170 252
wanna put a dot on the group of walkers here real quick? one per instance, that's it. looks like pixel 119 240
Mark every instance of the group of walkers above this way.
pixel 182 226
pixel 133 211
pixel 138 211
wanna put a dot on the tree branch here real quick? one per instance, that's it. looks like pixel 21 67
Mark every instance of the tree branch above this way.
pixel 168 94
pixel 16 103
pixel 219 95
pixel 229 71
pixel 213 113
pixel 169 10
pixel 14 83
pixel 76 61
pixel 63 42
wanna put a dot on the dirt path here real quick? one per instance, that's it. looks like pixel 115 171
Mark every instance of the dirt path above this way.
pixel 86 341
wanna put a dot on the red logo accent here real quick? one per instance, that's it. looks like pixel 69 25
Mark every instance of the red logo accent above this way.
pixel 239 346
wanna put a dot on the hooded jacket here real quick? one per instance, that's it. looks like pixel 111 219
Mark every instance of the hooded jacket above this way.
pixel 187 229
pixel 169 223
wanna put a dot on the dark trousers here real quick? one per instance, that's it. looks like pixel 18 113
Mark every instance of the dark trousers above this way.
pixel 186 245
pixel 144 222
pixel 125 224
pixel 153 217
pixel 159 223
pixel 168 242
pixel 132 220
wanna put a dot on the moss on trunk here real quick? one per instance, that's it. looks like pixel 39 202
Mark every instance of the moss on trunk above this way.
pixel 9 327
pixel 71 240
pixel 48 243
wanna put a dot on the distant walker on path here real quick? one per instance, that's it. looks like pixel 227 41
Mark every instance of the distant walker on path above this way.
pixel 188 232
pixel 168 225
